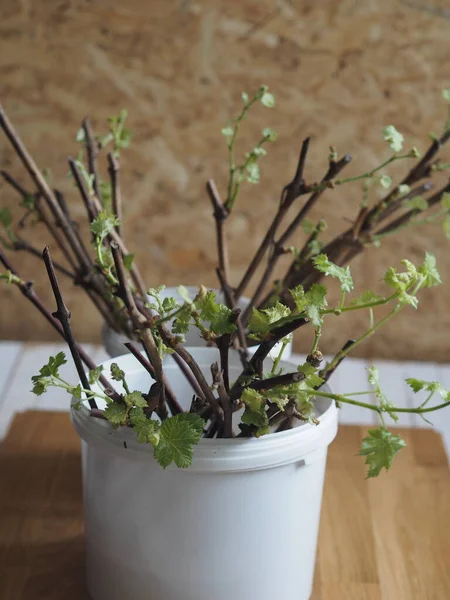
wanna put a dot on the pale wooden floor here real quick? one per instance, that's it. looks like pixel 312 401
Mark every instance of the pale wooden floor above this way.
pixel 19 361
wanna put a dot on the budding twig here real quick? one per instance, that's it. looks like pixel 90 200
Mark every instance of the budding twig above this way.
pixel 92 153
pixel 87 200
pixel 171 399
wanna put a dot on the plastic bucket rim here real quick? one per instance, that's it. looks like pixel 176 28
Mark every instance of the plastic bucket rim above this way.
pixel 213 454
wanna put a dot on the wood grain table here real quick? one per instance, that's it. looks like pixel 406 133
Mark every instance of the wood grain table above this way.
pixel 383 539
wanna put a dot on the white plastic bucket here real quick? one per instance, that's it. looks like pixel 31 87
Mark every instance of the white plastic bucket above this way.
pixel 113 341
pixel 240 524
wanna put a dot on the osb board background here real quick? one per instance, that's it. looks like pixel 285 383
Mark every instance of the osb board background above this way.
pixel 341 70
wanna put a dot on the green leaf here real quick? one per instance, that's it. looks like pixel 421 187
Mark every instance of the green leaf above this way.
pixel 306 368
pixel 147 430
pixel 391 277
pixel 380 447
pixel 264 321
pixel 227 131
pixel 416 203
pixel 402 281
pixel 268 100
pixel 128 260
pixel 155 292
pixel 76 392
pixel 277 396
pixel 253 174
pixel 183 292
pixel 253 399
pixel 258 419
pixel 446 94
pixel 316 301
pixel 116 414
pixel 178 436
pixel 308 226
pixel 312 379
pixel 94 374
pixel 277 312
pixel 40 385
pixel 315 247
pixel 324 265
pixel 403 189
pixel 116 372
pixel 169 305
pixel 417 385
pixel 298 295
pixel 80 136
pixel 258 151
pixel 135 398
pixel 103 224
pixel 219 316
pixel 269 134
pixel 53 365
pixel 259 322
pixel 5 217
pixel 245 97
pixel 393 137
pixel 182 322
pixel 385 181
pixel 429 271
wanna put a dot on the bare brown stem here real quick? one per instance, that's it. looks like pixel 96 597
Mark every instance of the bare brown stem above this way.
pixel 276 251
pixel 220 215
pixel 63 315
pixel 190 378
pixel 289 194
pixel 171 398
pixel 262 385
pixel 327 374
pixel 87 200
pixel 172 342
pixel 114 175
pixel 43 187
pixel 334 168
pixel 230 302
pixel 255 364
pixel 21 245
pixel 139 321
pixel 42 217
pixel 218 383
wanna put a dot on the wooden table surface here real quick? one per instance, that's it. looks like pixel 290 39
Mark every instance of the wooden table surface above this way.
pixel 383 539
